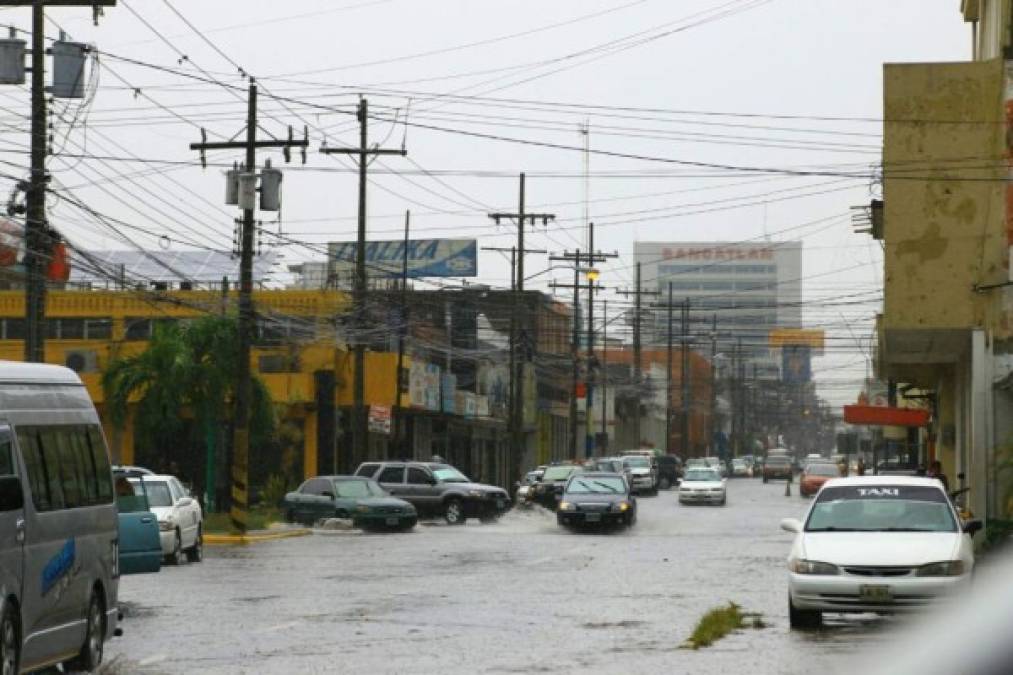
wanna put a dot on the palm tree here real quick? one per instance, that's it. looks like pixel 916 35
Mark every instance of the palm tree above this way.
pixel 183 385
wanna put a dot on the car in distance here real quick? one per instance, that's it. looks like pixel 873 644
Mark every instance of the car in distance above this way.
pixel 703 486
pixel 643 473
pixel 815 475
pixel 549 490
pixel 669 471
pixel 591 499
pixel 438 490
pixel 876 544
pixel 180 520
pixel 777 466
pixel 361 499
pixel 740 468
pixel 524 486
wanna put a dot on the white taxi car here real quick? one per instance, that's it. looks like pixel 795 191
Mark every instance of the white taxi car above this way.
pixel 876 544
pixel 180 519
pixel 702 486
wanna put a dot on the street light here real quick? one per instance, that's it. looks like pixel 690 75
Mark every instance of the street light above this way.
pixel 592 274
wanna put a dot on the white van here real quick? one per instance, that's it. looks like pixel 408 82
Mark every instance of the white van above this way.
pixel 59 571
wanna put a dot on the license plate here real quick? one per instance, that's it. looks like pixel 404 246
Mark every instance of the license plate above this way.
pixel 875 593
pixel 499 503
pixel 592 517
pixel 392 521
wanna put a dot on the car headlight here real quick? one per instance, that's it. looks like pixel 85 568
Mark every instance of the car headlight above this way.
pixel 799 566
pixel 362 508
pixel 166 525
pixel 567 506
pixel 949 568
pixel 621 506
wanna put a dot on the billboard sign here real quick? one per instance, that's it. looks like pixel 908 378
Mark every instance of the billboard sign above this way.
pixel 426 258
pixel 797 364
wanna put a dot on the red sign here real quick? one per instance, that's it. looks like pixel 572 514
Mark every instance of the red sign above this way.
pixel 719 253
pixel 885 417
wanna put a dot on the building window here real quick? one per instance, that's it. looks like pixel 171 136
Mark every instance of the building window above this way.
pixel 66 328
pixel 13 329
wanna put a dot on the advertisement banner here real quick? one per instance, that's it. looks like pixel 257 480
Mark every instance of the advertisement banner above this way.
pixel 797 366
pixel 449 394
pixel 424 385
pixel 380 419
pixel 426 258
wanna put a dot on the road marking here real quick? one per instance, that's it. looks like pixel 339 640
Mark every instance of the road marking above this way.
pixel 151 660
pixel 275 629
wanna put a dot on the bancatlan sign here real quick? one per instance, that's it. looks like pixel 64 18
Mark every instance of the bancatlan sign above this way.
pixel 426 258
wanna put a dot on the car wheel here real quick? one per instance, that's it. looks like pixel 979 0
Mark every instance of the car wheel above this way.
pixel 195 553
pixel 664 483
pixel 453 513
pixel 10 652
pixel 724 500
pixel 289 516
pixel 176 557
pixel 90 657
pixel 804 619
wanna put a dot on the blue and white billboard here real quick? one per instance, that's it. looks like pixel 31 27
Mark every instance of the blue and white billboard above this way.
pixel 426 258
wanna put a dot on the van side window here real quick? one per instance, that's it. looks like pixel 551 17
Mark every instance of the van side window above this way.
pixel 6 458
pixel 103 471
pixel 38 481
pixel 48 453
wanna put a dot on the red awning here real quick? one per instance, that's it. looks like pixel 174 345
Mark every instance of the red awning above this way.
pixel 885 417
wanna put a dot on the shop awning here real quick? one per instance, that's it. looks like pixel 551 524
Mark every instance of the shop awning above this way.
pixel 885 417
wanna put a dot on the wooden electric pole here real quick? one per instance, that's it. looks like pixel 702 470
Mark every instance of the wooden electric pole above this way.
pixel 638 376
pixel 239 503
pixel 519 318
pixel 359 324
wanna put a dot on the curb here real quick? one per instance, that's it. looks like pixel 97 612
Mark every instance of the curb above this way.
pixel 243 539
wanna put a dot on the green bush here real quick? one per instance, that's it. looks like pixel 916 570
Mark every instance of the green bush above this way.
pixel 274 491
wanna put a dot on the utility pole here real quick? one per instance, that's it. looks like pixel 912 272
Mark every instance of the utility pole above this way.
pixel 668 379
pixel 364 152
pixel 519 317
pixel 38 238
pixel 714 383
pixel 239 504
pixel 399 435
pixel 684 378
pixel 638 293
pixel 604 373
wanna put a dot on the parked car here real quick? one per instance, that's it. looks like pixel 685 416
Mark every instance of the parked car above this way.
pixel 180 518
pixel 361 499
pixel 131 471
pixel 549 490
pixel 436 489
pixel 815 475
pixel 740 469
pixel 669 471
pixel 643 473
pixel 876 544
pixel 897 467
pixel 140 546
pixel 777 466
pixel 703 486
pixel 597 499
pixel 59 566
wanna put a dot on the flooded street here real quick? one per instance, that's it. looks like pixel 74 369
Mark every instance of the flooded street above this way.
pixel 518 596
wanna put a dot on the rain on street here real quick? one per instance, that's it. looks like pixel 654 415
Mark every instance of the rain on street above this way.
pixel 522 595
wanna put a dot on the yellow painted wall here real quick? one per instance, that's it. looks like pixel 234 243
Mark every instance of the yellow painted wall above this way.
pixel 942 236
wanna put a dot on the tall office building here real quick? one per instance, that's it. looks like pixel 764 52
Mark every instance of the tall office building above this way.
pixel 751 288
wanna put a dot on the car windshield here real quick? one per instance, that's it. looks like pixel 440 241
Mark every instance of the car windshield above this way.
pixel 158 492
pixel 557 473
pixel 783 461
pixel 882 508
pixel 822 470
pixel 355 489
pixel 696 462
pixel 738 462
pixel 701 475
pixel 610 485
pixel 449 474
pixel 637 462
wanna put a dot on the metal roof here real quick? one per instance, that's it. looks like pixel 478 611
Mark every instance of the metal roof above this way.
pixel 199 266
pixel 15 371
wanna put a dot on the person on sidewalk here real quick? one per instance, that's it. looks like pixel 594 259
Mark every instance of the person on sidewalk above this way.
pixel 936 471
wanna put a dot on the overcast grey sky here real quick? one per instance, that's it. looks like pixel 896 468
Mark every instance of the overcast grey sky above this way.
pixel 685 71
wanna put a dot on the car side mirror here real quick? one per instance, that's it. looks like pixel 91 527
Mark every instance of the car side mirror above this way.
pixel 329 495
pixel 972 526
pixel 185 501
pixel 793 525
pixel 11 496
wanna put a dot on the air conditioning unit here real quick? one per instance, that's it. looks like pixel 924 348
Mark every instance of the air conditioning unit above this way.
pixel 81 360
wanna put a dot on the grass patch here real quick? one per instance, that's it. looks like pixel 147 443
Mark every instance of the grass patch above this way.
pixel 258 519
pixel 719 622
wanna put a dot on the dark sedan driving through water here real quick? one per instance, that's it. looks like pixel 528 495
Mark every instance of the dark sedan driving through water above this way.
pixel 597 499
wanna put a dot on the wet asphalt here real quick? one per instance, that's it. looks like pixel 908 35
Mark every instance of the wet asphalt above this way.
pixel 518 596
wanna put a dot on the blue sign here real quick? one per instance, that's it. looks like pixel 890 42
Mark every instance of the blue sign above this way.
pixel 426 258
pixel 449 386
pixel 796 364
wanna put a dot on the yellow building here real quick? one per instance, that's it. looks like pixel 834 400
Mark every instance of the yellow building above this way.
pixel 947 228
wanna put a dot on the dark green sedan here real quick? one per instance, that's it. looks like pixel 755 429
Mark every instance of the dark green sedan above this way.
pixel 362 499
